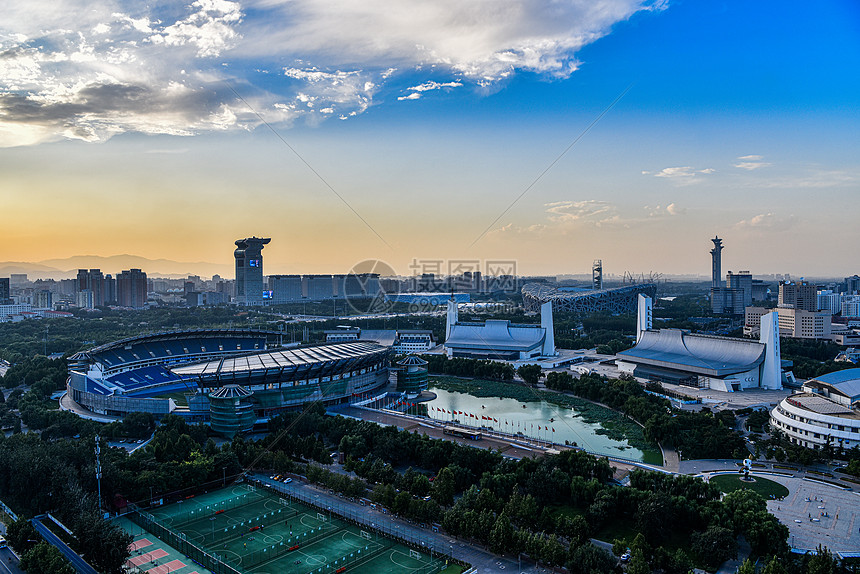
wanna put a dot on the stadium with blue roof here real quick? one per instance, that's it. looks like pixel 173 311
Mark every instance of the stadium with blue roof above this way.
pixel 183 372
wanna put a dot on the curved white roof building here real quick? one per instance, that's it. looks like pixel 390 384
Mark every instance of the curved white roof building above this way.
pixel 719 363
pixel 825 412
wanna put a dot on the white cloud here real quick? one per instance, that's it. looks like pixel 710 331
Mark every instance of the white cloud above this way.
pixel 90 69
pixel 428 86
pixel 685 175
pixel 659 211
pixel 766 221
pixel 751 162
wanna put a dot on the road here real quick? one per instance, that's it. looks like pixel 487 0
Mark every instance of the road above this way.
pixel 9 562
pixel 78 563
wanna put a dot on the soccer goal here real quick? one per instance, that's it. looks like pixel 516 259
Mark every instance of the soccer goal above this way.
pixel 284 501
pixel 415 554
pixel 366 535
pixel 321 517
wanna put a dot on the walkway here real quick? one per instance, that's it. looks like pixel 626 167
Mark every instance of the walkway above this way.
pixel 815 511
pixel 78 563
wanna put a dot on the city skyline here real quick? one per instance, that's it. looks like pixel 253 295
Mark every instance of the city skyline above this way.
pixel 130 130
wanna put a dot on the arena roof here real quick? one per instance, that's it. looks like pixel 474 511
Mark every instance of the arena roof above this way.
pixel 271 367
pixel 183 334
pixel 846 382
pixel 614 300
pixel 495 334
pixel 700 354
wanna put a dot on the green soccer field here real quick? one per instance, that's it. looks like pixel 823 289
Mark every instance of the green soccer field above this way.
pixel 257 532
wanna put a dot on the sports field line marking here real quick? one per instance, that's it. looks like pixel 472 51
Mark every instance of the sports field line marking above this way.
pixel 412 568
pixel 171 566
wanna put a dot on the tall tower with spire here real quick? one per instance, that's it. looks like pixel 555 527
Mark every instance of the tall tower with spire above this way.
pixel 716 263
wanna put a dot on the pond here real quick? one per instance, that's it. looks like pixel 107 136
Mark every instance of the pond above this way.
pixel 536 419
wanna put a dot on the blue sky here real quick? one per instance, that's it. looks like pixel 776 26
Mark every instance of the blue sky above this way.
pixel 429 119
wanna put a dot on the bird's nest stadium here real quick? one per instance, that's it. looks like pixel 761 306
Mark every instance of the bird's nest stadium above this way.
pixel 616 300
pixel 231 378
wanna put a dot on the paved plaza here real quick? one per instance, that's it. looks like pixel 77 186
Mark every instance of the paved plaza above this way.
pixel 816 513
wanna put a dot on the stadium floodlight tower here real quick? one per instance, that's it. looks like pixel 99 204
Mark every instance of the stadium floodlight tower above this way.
pixel 249 270
pixel 716 262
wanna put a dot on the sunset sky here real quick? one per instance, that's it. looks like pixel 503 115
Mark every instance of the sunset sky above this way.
pixel 401 131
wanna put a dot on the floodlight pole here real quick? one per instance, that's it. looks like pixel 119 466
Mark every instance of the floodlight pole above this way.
pixel 99 470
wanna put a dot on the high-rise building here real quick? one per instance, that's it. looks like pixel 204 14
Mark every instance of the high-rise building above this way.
pixel 84 298
pixel 249 270
pixel 19 279
pixel 798 295
pixel 92 281
pixel 44 299
pixel 131 288
pixel 4 291
pixel 743 281
pixel 829 301
pixel 851 306
pixel 110 295
pixel 852 284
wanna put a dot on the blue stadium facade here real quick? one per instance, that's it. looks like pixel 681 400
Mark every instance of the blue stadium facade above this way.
pixel 179 372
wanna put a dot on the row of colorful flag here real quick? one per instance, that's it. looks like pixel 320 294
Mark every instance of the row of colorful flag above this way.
pixel 464 414
pixel 486 418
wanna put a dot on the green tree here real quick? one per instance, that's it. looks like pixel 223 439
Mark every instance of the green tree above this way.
pixel 502 535
pixel 822 562
pixel 638 564
pixel 44 558
pixel 774 566
pixel 443 487
pixel 531 374
pixel 747 567
pixel 715 545
pixel 590 559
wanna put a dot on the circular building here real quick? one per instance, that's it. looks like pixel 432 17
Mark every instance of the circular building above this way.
pixel 412 375
pixel 231 411
pixel 826 412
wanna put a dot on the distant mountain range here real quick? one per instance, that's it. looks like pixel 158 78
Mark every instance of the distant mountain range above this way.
pixel 67 268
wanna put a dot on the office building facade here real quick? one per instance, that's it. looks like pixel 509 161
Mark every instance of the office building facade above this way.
pixel 798 295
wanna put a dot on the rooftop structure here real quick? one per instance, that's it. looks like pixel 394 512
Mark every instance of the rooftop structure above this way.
pixel 249 270
pixel 615 300
pixel 499 339
pixel 719 363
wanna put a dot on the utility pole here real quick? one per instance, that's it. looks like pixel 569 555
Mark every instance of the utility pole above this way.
pixel 99 470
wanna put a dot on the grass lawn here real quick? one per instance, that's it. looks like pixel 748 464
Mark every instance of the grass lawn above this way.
pixel 452 569
pixel 766 488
